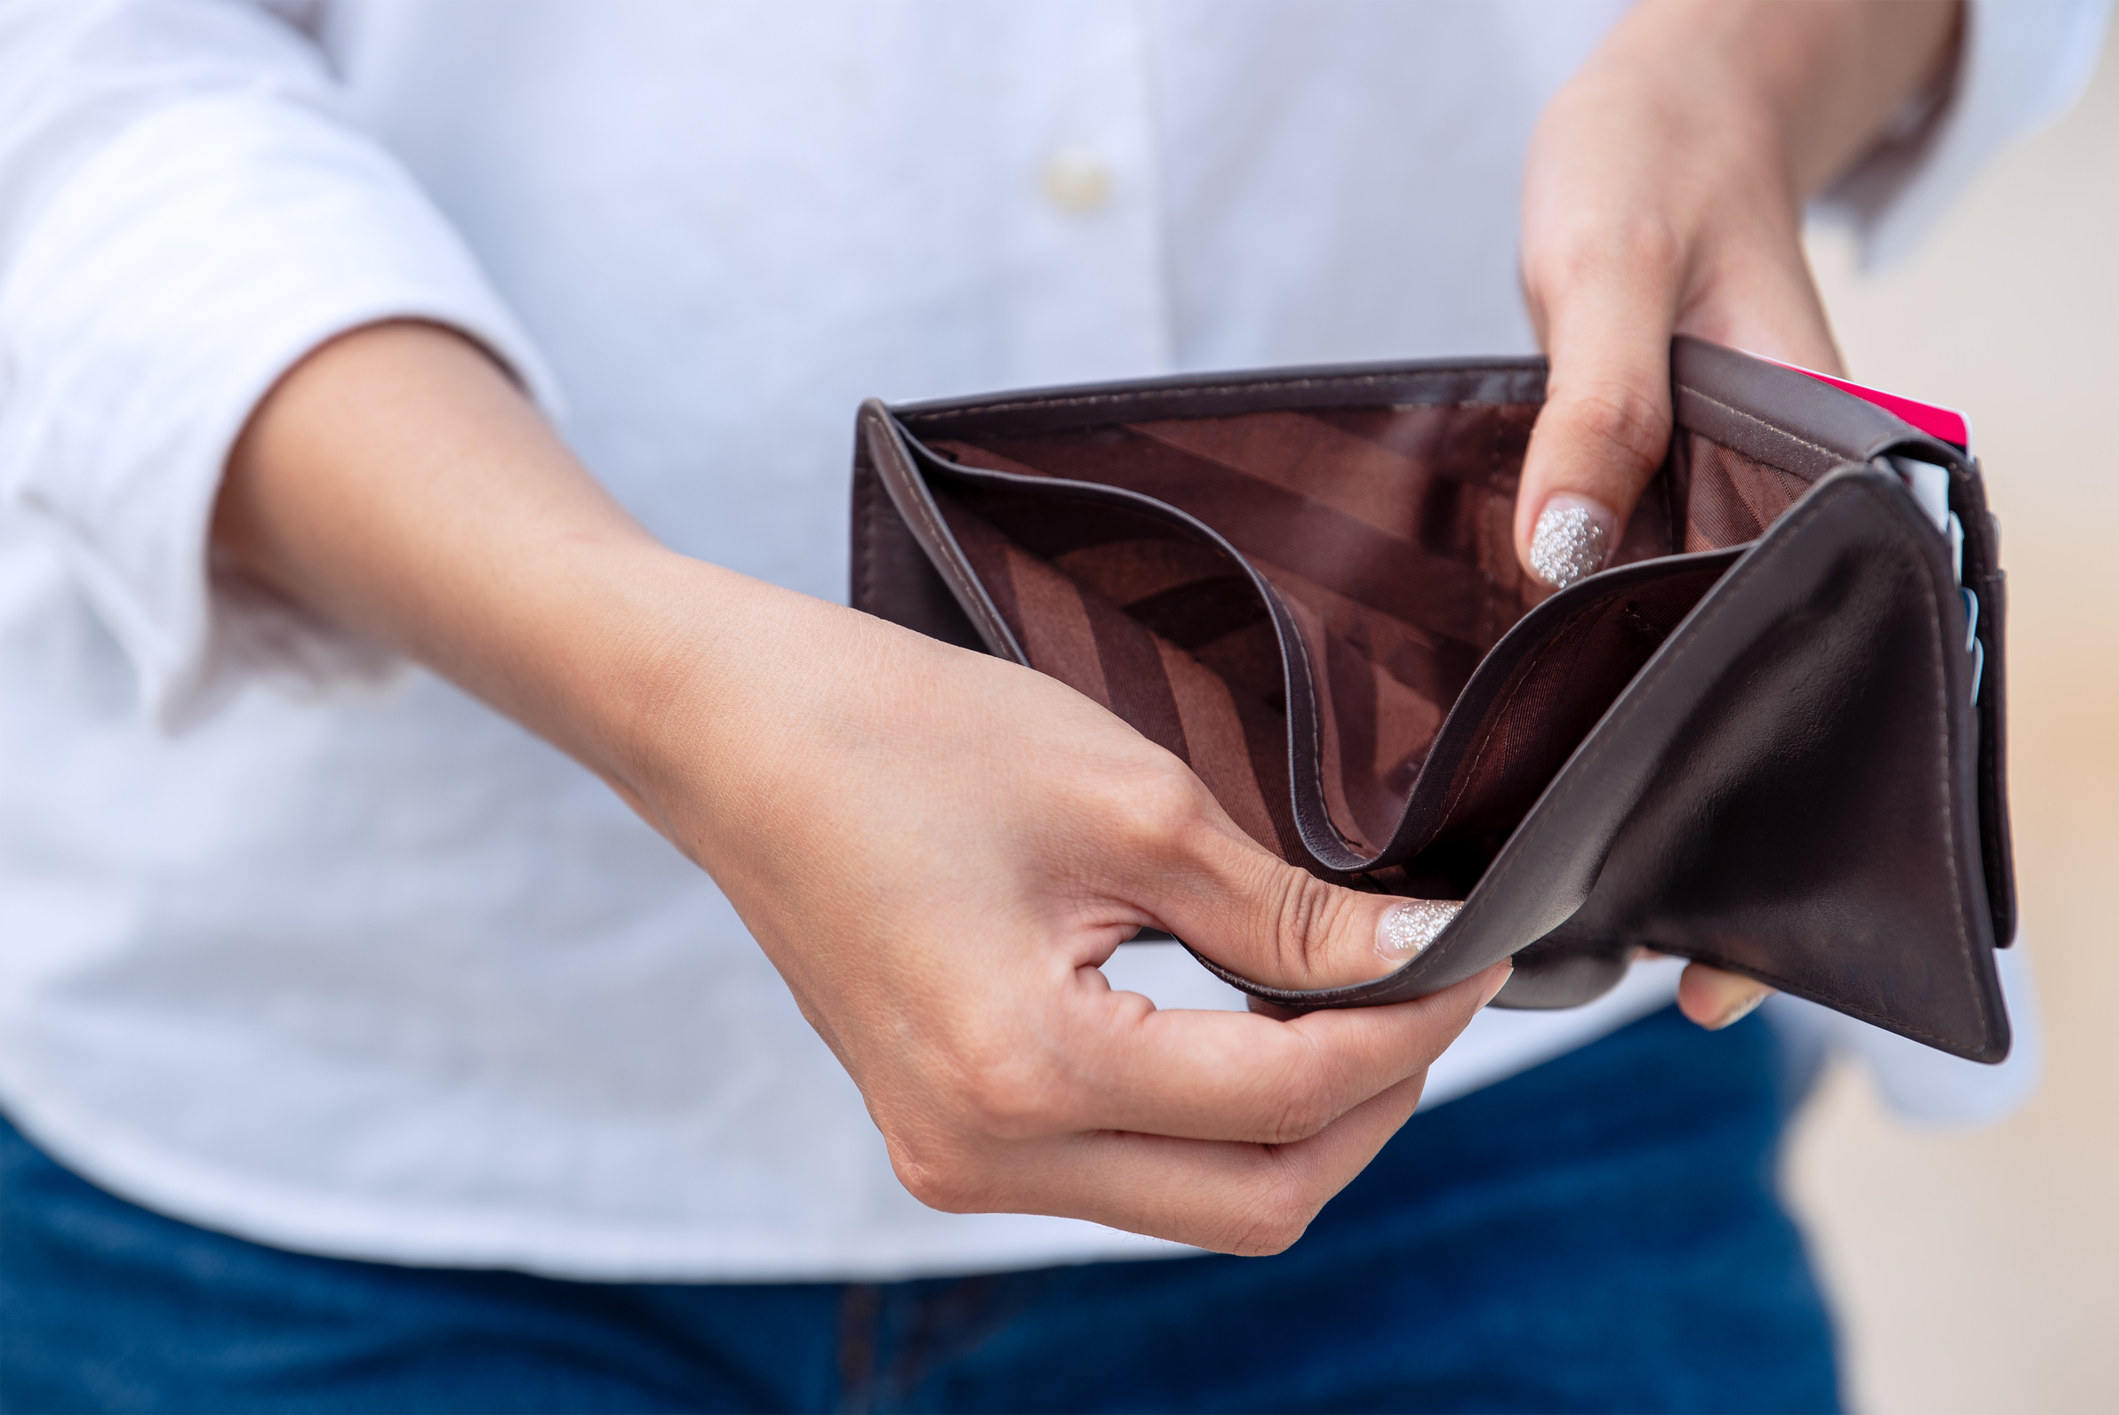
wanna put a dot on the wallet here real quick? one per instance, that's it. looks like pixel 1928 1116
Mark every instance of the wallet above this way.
pixel 1767 736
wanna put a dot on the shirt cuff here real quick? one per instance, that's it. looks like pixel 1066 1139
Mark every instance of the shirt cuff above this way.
pixel 2020 66
pixel 156 298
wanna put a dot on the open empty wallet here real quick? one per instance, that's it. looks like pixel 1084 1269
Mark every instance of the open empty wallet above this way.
pixel 1768 736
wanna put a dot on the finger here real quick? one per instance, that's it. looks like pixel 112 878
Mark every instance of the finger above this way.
pixel 1231 1198
pixel 1256 915
pixel 1606 421
pixel 1238 1076
pixel 1716 999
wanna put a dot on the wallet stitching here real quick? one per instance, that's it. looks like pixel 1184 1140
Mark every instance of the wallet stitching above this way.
pixel 867 512
pixel 1698 633
pixel 1324 808
pixel 1858 1011
pixel 1092 400
pixel 1761 422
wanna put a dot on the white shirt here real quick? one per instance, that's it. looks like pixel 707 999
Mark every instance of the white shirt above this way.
pixel 369 970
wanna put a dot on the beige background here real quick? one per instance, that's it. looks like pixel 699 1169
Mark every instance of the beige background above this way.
pixel 1980 1271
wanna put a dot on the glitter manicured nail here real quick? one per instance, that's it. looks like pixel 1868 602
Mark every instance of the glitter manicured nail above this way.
pixel 1411 925
pixel 1573 539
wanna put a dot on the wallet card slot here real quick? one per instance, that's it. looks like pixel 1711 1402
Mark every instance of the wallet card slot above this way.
pixel 1533 700
pixel 1729 497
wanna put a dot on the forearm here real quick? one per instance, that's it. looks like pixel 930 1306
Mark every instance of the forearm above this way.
pixel 396 482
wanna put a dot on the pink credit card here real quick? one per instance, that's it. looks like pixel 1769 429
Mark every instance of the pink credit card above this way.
pixel 1947 424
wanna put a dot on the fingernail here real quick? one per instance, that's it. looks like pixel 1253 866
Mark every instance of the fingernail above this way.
pixel 1737 1011
pixel 1573 539
pixel 1410 925
pixel 1493 989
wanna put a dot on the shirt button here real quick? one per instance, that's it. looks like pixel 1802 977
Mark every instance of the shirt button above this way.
pixel 1076 180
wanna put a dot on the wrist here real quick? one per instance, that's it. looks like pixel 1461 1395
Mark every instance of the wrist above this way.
pixel 1709 121
pixel 1801 89
pixel 705 688
pixel 644 658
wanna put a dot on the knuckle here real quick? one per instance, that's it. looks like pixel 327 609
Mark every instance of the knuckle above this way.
pixel 1306 910
pixel 1160 805
pixel 1010 1100
pixel 1630 420
pixel 1281 1216
pixel 1307 1103
pixel 941 1182
pixel 1649 244
pixel 998 1087
pixel 1630 245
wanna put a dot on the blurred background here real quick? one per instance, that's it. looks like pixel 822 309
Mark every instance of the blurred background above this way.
pixel 1975 1271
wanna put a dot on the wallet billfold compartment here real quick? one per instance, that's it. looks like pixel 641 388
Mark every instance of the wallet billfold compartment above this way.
pixel 1768 736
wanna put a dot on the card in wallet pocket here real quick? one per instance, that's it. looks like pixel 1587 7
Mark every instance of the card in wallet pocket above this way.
pixel 1768 736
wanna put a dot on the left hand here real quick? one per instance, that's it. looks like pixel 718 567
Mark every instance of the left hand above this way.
pixel 1664 193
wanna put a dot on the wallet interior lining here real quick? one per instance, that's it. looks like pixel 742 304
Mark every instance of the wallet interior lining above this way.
pixel 1386 534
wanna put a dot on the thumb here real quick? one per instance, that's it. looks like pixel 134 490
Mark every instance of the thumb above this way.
pixel 1604 428
pixel 1278 925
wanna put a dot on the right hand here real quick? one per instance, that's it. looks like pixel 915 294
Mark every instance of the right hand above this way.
pixel 937 849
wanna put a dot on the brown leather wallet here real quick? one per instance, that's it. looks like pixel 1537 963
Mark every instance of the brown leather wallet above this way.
pixel 1768 737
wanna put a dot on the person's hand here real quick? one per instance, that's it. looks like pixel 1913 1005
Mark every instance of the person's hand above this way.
pixel 1664 194
pixel 936 848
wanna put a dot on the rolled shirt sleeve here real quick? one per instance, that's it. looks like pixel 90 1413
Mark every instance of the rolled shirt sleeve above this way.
pixel 2021 65
pixel 185 215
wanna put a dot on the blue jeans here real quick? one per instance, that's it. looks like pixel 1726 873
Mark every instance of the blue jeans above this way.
pixel 1600 1233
